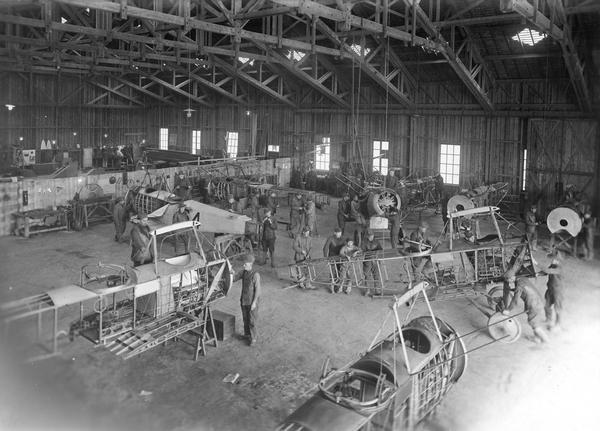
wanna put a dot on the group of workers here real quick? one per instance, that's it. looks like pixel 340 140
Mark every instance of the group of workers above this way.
pixel 343 252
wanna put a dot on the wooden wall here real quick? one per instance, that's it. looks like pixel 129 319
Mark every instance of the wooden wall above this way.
pixel 492 144
pixel 48 193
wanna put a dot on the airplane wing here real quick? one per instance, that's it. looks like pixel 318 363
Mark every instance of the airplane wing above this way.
pixel 211 219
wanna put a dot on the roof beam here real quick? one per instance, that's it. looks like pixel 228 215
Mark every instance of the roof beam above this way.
pixel 563 37
pixel 312 8
pixel 206 26
pixel 114 91
pixel 316 82
pixel 465 75
pixel 177 89
pixel 144 90
pixel 382 80
pixel 257 83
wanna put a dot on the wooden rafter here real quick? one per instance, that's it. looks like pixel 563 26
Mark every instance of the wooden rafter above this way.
pixel 467 76
pixel 563 37
pixel 261 84
pixel 380 77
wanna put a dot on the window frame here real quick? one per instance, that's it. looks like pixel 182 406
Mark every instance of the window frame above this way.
pixel 196 141
pixel 232 144
pixel 450 170
pixel 163 138
pixel 378 161
pixel 323 158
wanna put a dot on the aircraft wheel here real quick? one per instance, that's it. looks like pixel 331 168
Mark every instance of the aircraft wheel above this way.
pixel 504 328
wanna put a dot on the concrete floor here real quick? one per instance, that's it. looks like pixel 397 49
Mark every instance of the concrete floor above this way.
pixel 506 386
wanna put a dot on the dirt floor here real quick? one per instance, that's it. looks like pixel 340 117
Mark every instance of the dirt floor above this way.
pixel 506 386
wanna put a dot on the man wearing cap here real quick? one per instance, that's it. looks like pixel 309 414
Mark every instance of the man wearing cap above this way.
pixel 369 248
pixel 343 212
pixel 181 215
pixel 140 242
pixel 269 225
pixel 587 232
pixel 296 210
pixel 249 297
pixel 311 215
pixel 272 203
pixel 534 307
pixel 395 228
pixel 531 224
pixel 331 250
pixel 554 295
pixel 361 223
pixel 119 214
pixel 183 187
pixel 348 252
pixel 419 242
pixel 302 247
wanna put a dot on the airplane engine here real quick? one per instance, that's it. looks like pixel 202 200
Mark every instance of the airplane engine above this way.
pixel 460 203
pixel 380 202
pixel 564 219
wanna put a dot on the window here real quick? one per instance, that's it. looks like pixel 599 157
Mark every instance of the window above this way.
pixel 450 163
pixel 295 55
pixel 273 148
pixel 529 37
pixel 245 60
pixel 322 152
pixel 164 139
pixel 232 144
pixel 524 169
pixel 363 51
pixel 380 162
pixel 196 135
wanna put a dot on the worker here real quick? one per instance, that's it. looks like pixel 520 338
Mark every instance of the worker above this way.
pixel 272 203
pixel 348 252
pixel 419 243
pixel 249 298
pixel 141 252
pixel 361 222
pixel 331 250
pixel 269 224
pixel 370 264
pixel 302 247
pixel 396 233
pixel 438 187
pixel 296 214
pixel 390 179
pixel 554 295
pixel 310 215
pixel 534 307
pixel 254 206
pixel 531 224
pixel 510 277
pixel 120 216
pixel 183 187
pixel 181 238
pixel 588 236
pixel 343 213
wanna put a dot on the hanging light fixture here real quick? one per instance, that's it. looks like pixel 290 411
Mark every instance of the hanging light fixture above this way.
pixel 188 111
pixel 9 106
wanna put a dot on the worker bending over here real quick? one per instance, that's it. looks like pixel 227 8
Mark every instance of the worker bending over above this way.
pixel 534 307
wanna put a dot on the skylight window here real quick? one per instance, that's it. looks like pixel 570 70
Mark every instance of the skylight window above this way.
pixel 529 37
pixel 245 60
pixel 295 55
pixel 363 51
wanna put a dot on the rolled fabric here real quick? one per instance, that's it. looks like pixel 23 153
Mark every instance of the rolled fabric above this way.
pixel 564 219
